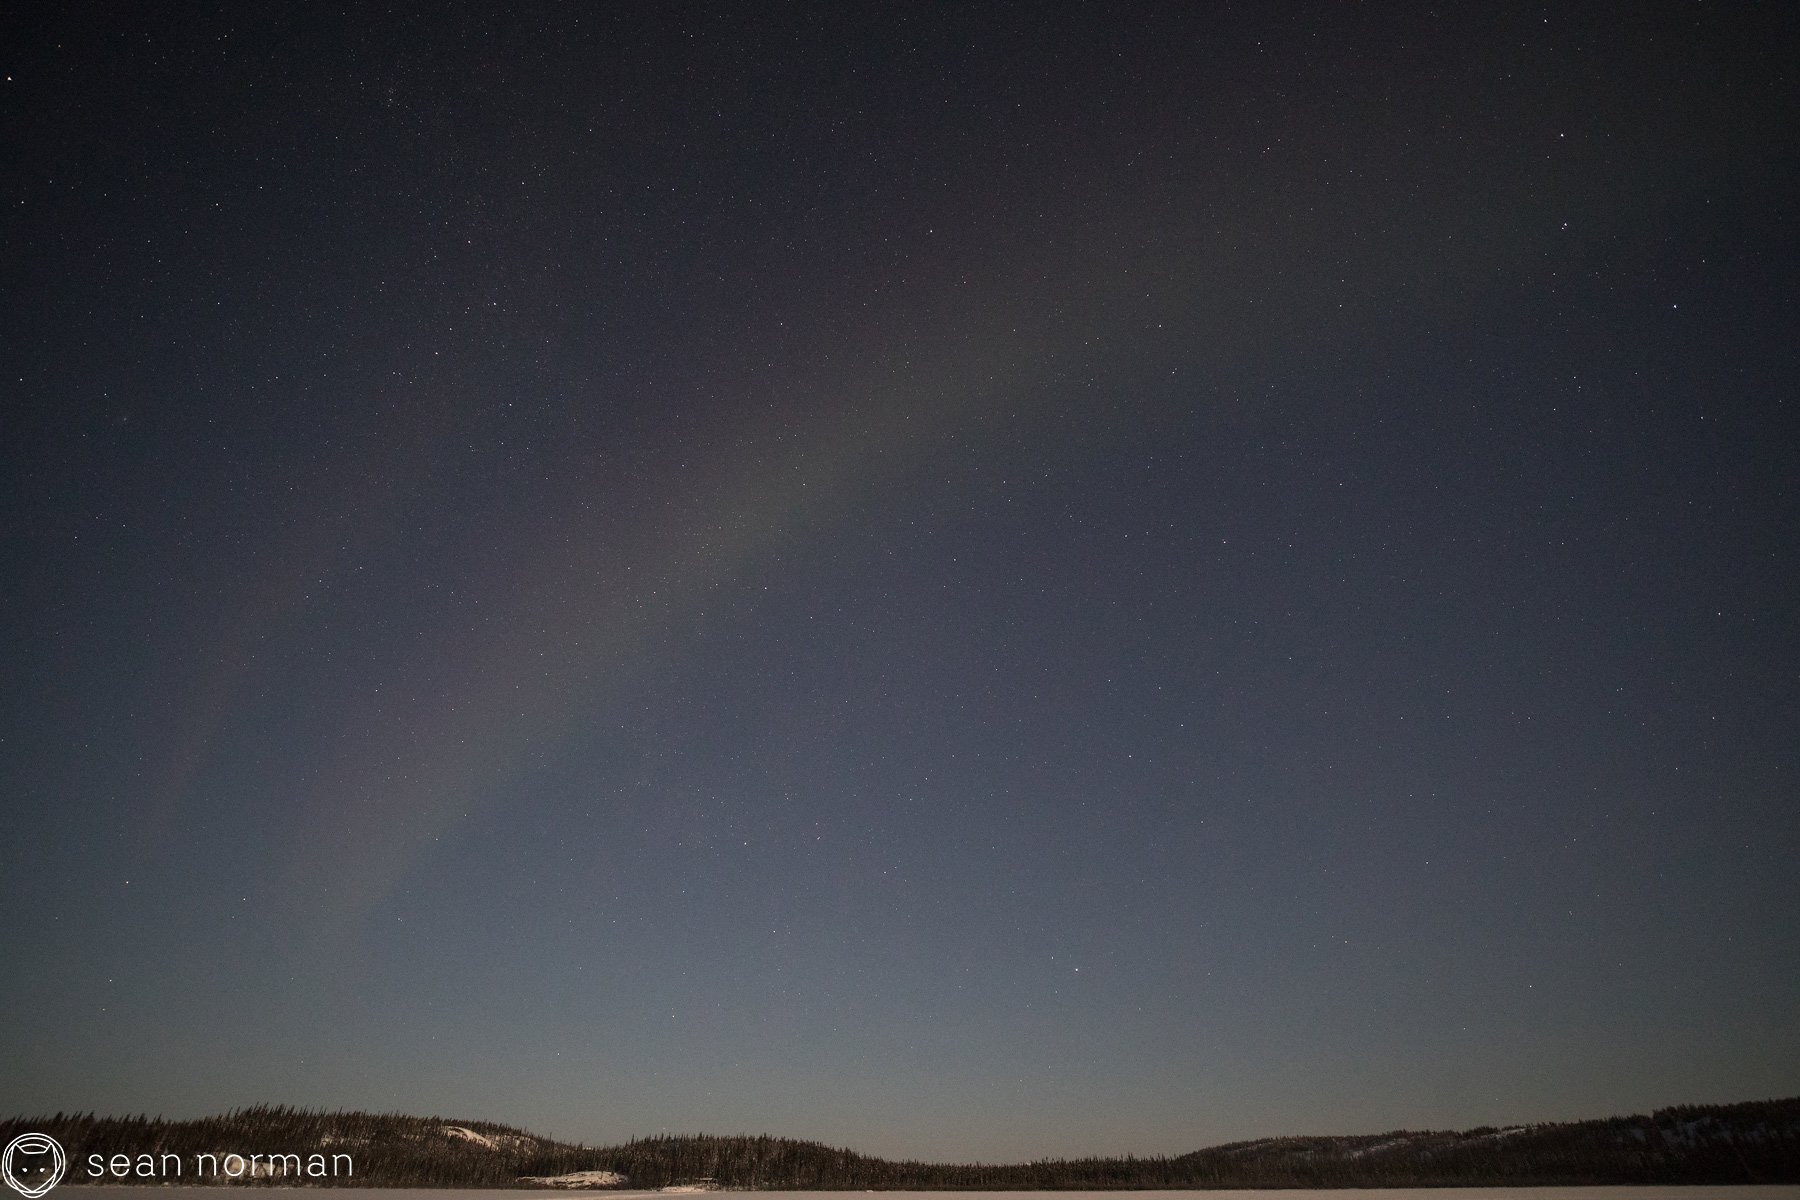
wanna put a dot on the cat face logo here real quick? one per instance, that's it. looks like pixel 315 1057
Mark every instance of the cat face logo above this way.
pixel 33 1164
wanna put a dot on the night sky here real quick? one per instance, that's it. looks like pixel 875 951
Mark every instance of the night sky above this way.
pixel 963 580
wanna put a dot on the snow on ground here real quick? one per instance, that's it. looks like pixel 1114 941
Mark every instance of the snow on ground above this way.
pixel 469 1135
pixel 577 1179
pixel 503 1141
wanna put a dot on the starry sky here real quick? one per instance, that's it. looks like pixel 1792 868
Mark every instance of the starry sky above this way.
pixel 972 581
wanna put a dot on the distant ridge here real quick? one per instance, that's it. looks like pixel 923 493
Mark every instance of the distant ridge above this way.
pixel 1754 1142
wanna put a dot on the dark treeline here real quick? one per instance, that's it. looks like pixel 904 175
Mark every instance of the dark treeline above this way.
pixel 1756 1142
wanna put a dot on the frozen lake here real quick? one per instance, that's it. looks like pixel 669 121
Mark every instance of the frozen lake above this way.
pixel 1736 1192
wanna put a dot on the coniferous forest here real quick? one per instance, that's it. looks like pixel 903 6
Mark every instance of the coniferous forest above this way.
pixel 1755 1142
